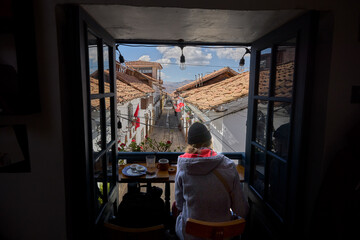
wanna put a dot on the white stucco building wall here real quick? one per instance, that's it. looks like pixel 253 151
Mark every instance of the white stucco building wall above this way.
pixel 128 130
pixel 157 101
pixel 229 132
pixel 228 128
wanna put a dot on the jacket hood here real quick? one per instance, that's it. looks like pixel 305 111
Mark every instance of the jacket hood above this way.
pixel 199 164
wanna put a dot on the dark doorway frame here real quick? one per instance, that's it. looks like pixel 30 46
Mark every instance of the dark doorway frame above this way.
pixel 80 221
pixel 273 226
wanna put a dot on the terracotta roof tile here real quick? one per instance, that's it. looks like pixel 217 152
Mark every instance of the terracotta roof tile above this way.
pixel 228 90
pixel 125 91
pixel 134 82
pixel 134 72
pixel 94 85
pixel 140 63
pixel 94 89
pixel 283 82
pixel 208 77
pixel 211 96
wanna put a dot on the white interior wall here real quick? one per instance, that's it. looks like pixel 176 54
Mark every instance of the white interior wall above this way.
pixel 32 205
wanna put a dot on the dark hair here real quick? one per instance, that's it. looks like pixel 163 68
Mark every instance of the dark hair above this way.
pixel 195 148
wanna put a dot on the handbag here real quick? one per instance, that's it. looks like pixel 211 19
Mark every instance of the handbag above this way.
pixel 228 189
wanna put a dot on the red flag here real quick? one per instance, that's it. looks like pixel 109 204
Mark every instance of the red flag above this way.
pixel 137 111
pixel 137 120
pixel 179 106
pixel 137 123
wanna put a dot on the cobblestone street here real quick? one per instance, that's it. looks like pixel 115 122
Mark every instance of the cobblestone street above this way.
pixel 166 129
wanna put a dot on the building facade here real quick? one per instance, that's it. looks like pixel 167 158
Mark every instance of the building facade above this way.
pixel 218 100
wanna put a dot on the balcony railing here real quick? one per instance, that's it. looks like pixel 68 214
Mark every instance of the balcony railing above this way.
pixel 171 156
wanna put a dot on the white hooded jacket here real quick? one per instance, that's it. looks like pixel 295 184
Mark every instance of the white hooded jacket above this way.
pixel 199 194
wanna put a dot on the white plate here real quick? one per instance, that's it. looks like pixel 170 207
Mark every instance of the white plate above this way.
pixel 127 171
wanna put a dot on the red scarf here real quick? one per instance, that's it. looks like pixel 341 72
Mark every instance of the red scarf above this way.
pixel 206 152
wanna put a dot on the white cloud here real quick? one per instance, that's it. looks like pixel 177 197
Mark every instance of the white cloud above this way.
pixel 93 59
pixel 106 53
pixel 169 53
pixel 163 61
pixel 230 53
pixel 163 49
pixel 93 53
pixel 192 55
pixel 164 76
pixel 197 56
pixel 145 58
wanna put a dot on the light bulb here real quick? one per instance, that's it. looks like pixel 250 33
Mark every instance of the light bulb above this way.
pixel 121 58
pixel 182 66
pixel 182 62
pixel 242 62
pixel 241 69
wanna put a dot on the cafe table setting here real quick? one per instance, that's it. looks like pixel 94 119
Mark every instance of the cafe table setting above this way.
pixel 149 172
pixel 161 171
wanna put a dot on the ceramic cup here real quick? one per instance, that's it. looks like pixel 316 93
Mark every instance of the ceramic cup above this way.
pixel 163 164
pixel 133 166
pixel 140 168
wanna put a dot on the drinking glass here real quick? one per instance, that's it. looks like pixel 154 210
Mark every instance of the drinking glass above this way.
pixel 150 161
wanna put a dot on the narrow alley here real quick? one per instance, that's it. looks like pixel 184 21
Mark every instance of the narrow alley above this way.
pixel 166 129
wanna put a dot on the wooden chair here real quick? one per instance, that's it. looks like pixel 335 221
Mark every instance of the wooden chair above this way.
pixel 113 232
pixel 214 230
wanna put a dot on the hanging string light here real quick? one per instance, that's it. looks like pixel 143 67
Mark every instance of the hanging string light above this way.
pixel 119 125
pixel 182 59
pixel 121 58
pixel 242 60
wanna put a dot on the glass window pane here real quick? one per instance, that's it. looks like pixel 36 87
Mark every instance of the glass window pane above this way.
pixel 259 159
pixel 111 172
pixel 93 63
pixel 107 78
pixel 109 122
pixel 264 72
pixel 130 115
pixel 281 129
pixel 277 185
pixel 99 185
pixel 285 62
pixel 261 117
pixel 96 125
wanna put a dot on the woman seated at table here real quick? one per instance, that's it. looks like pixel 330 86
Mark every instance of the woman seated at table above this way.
pixel 199 192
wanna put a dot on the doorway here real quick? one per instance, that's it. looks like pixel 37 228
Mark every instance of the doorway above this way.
pixel 259 64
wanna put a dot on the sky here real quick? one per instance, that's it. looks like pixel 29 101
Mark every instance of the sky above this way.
pixel 198 60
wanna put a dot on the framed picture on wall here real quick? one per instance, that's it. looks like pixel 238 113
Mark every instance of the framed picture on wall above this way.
pixel 19 90
pixel 14 150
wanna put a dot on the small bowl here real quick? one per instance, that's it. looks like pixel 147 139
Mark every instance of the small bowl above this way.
pixel 172 170
pixel 140 168
pixel 133 166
